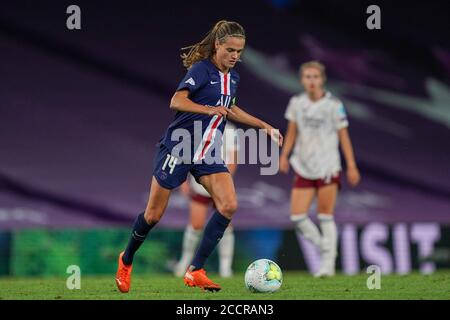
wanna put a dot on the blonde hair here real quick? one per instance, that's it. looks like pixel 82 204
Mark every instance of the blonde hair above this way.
pixel 316 65
pixel 206 47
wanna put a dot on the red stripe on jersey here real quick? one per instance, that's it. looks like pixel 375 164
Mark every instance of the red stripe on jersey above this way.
pixel 225 84
pixel 208 139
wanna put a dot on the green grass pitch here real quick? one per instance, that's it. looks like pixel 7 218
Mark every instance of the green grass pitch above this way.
pixel 296 285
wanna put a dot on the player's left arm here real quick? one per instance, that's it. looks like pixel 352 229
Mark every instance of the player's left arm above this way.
pixel 353 174
pixel 239 115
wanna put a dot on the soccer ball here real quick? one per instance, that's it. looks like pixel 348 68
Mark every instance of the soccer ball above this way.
pixel 263 275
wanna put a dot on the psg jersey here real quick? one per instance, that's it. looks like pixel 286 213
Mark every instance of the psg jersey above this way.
pixel 207 86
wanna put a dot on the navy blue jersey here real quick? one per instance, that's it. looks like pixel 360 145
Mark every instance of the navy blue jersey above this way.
pixel 208 86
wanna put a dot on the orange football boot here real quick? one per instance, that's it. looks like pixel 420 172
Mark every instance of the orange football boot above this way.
pixel 199 279
pixel 123 275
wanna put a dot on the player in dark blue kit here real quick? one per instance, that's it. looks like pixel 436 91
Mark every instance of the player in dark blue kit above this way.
pixel 204 99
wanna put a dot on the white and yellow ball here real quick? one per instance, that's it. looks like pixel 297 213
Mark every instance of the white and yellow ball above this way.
pixel 264 276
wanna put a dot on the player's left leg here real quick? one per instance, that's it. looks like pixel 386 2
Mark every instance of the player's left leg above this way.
pixel 221 188
pixel 326 198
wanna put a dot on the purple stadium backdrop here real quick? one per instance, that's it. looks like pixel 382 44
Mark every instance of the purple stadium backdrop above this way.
pixel 81 112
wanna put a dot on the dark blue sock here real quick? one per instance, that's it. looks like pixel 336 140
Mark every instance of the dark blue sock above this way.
pixel 211 236
pixel 140 230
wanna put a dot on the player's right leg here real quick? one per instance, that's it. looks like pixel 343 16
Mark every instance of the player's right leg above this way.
pixel 157 203
pixel 192 233
pixel 302 196
pixel 169 173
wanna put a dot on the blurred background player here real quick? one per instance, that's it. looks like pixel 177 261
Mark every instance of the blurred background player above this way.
pixel 317 124
pixel 200 200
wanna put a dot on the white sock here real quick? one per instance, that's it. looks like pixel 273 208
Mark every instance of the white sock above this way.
pixel 306 228
pixel 329 242
pixel 226 252
pixel 191 238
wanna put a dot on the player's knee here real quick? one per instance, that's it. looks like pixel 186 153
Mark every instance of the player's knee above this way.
pixel 197 225
pixel 152 217
pixel 325 209
pixel 228 208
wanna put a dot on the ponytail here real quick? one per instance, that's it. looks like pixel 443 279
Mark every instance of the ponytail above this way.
pixel 206 47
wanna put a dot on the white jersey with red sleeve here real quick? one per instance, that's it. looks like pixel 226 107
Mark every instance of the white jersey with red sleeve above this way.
pixel 230 145
pixel 316 151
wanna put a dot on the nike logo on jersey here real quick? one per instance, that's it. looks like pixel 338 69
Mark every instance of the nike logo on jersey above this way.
pixel 214 82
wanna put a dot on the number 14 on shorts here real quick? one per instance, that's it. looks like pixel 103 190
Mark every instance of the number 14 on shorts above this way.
pixel 171 162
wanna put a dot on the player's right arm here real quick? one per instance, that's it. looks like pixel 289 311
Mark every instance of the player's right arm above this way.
pixel 195 79
pixel 289 142
pixel 291 135
pixel 181 102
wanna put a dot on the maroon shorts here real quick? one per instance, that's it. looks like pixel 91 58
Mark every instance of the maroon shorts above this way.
pixel 200 198
pixel 301 182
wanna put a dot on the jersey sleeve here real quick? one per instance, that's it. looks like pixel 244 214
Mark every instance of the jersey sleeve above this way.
pixel 291 110
pixel 340 117
pixel 195 78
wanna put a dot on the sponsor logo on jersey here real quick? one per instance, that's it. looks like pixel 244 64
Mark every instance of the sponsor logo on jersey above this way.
pixel 190 81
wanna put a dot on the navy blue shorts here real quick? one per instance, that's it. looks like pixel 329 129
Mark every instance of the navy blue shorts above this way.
pixel 170 172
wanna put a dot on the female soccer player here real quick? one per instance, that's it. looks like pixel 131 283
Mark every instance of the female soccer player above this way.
pixel 317 123
pixel 200 201
pixel 204 100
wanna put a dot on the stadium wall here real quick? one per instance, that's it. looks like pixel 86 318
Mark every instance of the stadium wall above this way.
pixel 398 248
